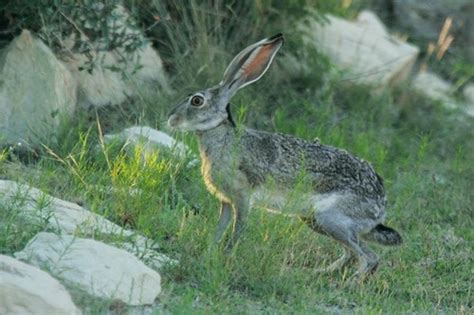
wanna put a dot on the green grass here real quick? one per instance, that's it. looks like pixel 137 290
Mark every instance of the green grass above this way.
pixel 424 156
pixel 423 151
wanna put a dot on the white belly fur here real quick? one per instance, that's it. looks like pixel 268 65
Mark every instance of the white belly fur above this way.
pixel 292 203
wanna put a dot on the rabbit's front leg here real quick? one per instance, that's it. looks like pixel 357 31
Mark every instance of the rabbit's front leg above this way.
pixel 224 220
pixel 241 207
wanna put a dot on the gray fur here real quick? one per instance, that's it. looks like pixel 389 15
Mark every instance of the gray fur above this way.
pixel 343 196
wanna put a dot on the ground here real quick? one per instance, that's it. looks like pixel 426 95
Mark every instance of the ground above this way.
pixel 424 156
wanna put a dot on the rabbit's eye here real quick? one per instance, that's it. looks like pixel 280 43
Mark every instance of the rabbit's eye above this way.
pixel 197 100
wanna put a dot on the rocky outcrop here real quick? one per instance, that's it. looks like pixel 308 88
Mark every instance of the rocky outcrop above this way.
pixel 100 270
pixel 36 92
pixel 363 48
pixel 110 76
pixel 25 290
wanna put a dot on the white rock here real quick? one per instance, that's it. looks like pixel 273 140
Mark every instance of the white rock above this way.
pixel 101 270
pixel 469 110
pixel 25 289
pixel 150 139
pixel 435 87
pixel 149 256
pixel 363 48
pixel 371 21
pixel 63 216
pixel 36 91
pixel 468 92
pixel 69 218
pixel 104 86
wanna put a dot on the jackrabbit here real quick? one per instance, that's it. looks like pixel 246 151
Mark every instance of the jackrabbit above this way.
pixel 243 167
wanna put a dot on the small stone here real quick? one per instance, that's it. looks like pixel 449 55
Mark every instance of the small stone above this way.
pixel 151 139
pixel 148 137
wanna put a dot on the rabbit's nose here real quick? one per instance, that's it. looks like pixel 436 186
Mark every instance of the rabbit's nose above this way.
pixel 173 120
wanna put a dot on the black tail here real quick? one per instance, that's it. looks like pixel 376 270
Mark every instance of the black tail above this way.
pixel 384 235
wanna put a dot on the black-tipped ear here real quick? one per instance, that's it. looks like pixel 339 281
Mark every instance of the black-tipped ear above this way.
pixel 251 63
pixel 276 36
pixel 229 115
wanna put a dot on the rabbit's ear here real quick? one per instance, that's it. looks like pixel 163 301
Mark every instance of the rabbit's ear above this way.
pixel 251 63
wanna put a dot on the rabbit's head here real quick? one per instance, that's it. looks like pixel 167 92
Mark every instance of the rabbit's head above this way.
pixel 207 109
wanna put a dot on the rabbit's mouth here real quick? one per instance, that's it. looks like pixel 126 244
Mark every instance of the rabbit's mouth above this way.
pixel 174 121
pixel 177 122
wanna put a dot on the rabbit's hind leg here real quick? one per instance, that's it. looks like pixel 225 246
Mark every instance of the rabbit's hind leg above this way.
pixel 342 262
pixel 347 257
pixel 343 229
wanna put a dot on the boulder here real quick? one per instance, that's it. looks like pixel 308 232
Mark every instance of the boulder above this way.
pixel 36 92
pixel 363 48
pixel 101 270
pixel 25 289
pixel 110 77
